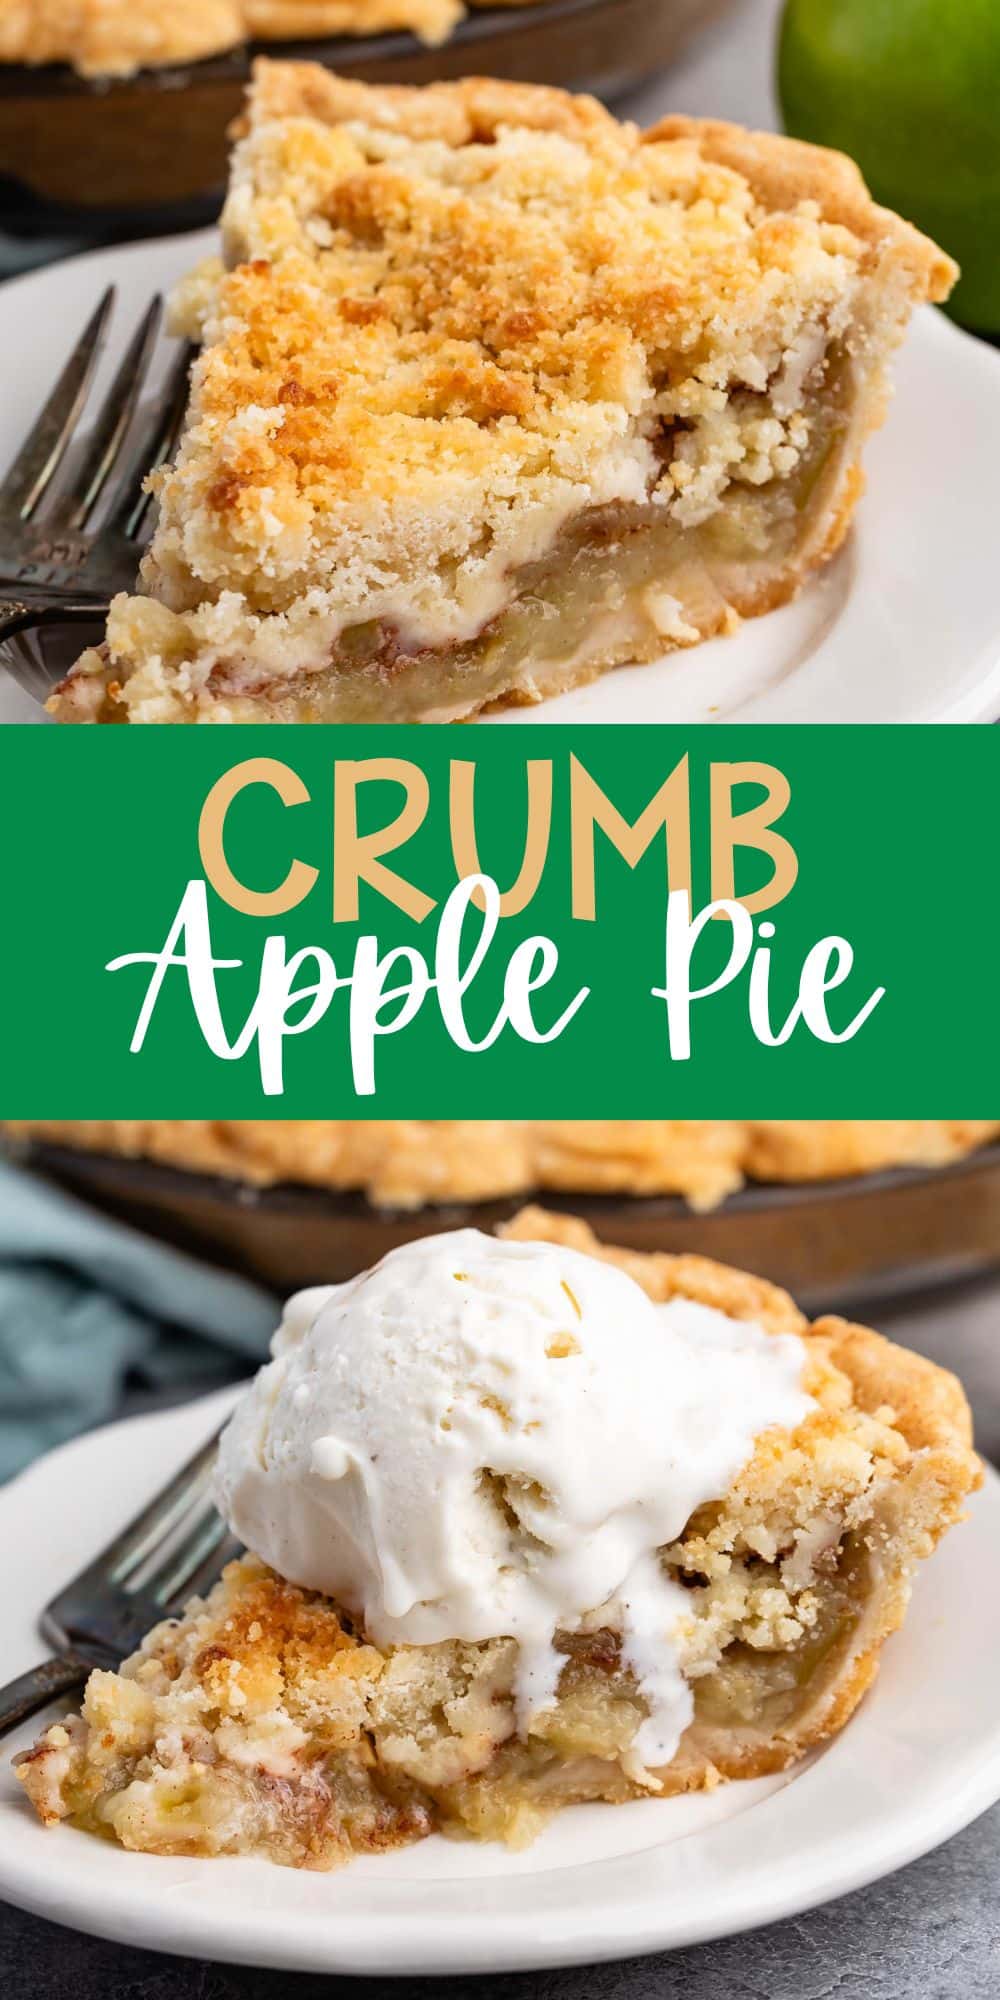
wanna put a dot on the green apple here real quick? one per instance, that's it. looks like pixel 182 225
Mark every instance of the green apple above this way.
pixel 911 89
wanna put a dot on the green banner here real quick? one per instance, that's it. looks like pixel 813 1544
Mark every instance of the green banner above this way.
pixel 543 922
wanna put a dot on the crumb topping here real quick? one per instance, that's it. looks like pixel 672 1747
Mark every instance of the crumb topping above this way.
pixel 460 315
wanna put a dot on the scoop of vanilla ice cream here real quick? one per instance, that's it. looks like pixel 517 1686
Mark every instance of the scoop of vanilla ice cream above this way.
pixel 480 1439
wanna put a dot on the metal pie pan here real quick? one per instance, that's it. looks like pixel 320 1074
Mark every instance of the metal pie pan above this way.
pixel 833 1244
pixel 157 141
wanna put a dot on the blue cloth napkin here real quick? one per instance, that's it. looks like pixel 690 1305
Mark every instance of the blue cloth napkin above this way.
pixel 90 1308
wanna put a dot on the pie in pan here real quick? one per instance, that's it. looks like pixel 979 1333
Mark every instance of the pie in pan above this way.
pixel 266 1722
pixel 496 393
pixel 117 37
pixel 405 1162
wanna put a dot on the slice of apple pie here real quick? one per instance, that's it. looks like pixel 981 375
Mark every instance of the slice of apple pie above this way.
pixel 496 393
pixel 270 1719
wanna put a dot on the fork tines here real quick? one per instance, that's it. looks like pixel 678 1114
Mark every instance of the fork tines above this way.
pixel 51 541
pixel 44 448
pixel 177 1546
pixel 112 426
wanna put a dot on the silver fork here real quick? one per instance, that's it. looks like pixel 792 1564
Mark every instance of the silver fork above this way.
pixel 173 1550
pixel 67 544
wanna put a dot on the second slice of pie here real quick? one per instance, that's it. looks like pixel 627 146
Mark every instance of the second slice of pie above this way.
pixel 537 1523
pixel 497 393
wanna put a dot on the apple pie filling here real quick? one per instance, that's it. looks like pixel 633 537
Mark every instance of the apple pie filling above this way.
pixel 262 1722
pixel 621 582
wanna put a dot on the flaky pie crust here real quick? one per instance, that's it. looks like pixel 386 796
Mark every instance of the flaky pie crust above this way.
pixel 117 37
pixel 403 1163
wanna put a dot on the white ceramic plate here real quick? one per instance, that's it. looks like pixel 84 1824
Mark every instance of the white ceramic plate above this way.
pixel 903 627
pixel 920 1759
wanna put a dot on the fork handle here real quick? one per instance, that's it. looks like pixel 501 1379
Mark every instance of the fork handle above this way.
pixel 22 614
pixel 39 1686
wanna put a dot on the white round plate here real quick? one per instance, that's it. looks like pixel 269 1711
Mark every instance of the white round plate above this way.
pixel 920 1759
pixel 903 627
